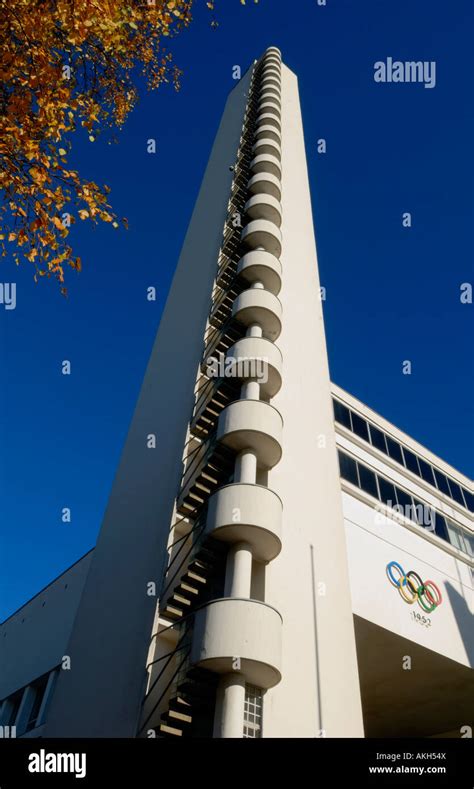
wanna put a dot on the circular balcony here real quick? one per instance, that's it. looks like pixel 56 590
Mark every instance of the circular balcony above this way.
pixel 265 163
pixel 264 183
pixel 268 83
pixel 266 132
pixel 269 119
pixel 253 425
pixel 261 233
pixel 271 71
pixel 269 106
pixel 247 513
pixel 272 60
pixel 271 93
pixel 267 145
pixel 271 81
pixel 264 206
pixel 261 266
pixel 257 358
pixel 268 95
pixel 257 305
pixel 233 627
pixel 273 49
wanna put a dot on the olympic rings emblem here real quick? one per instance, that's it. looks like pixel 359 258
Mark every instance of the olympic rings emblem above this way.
pixel 412 588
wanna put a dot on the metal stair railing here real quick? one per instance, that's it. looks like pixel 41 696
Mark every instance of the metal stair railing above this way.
pixel 184 644
pixel 197 538
pixel 192 469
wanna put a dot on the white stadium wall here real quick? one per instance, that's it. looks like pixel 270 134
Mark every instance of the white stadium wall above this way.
pixel 373 541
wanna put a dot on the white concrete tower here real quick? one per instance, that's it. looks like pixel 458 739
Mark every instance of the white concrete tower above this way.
pixel 235 518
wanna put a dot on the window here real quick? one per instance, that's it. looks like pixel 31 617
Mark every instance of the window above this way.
pixel 360 427
pixel 469 543
pixel 387 492
pixel 342 414
pixel 253 712
pixel 348 468
pixel 426 471
pixel 411 461
pixel 469 499
pixel 402 455
pixel 422 514
pixel 441 482
pixel 15 702
pixel 39 688
pixel 394 450
pixel 378 439
pixel 456 492
pixel 455 536
pixel 406 501
pixel 440 527
pixel 368 481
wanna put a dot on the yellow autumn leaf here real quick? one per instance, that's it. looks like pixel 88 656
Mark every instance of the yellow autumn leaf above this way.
pixel 69 64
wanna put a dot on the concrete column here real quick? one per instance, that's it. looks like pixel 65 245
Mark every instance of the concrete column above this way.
pixel 254 331
pixel 230 706
pixel 250 391
pixel 239 570
pixel 246 467
pixel 258 286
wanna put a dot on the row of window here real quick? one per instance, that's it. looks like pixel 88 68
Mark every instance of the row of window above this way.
pixel 35 697
pixel 397 498
pixel 386 444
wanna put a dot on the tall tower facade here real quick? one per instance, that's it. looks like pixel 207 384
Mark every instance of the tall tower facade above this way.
pixel 218 601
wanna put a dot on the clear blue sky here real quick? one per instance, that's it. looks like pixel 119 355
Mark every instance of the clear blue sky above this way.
pixel 392 293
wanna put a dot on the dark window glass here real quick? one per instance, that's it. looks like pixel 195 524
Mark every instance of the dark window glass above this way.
pixel 441 482
pixel 342 414
pixel 426 471
pixel 394 450
pixel 469 499
pixel 16 701
pixel 387 492
pixel 39 689
pixel 411 461
pixel 359 426
pixel 440 527
pixel 407 503
pixel 378 439
pixel 368 481
pixel 348 468
pixel 424 515
pixel 418 512
pixel 456 493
